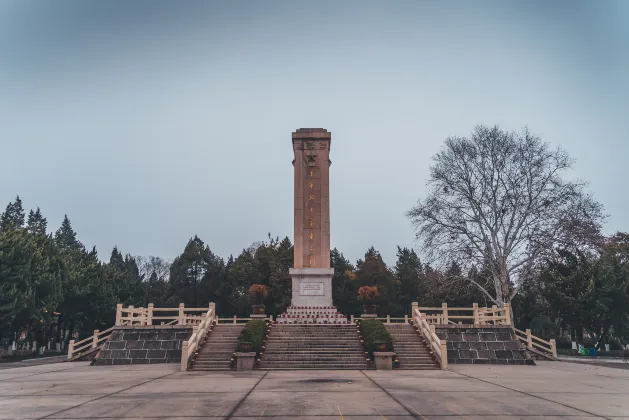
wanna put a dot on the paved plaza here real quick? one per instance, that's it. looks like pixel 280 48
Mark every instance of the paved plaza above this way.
pixel 551 390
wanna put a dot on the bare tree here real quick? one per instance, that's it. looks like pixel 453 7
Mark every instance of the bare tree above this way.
pixel 150 264
pixel 497 201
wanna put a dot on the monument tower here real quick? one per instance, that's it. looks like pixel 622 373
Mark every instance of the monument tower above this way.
pixel 312 275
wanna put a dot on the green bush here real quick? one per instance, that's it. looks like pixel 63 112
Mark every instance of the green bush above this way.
pixel 253 333
pixel 374 332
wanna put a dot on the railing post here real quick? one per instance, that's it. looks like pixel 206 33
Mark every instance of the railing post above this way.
pixel 213 308
pixel 95 339
pixel 414 306
pixel 553 347
pixel 235 317
pixel 507 309
pixel 351 319
pixel 271 318
pixel 444 355
pixel 181 320
pixel 432 328
pixel 529 339
pixel 388 319
pixel 476 317
pixel 119 314
pixel 184 356
pixel 149 314
pixel 444 308
pixel 70 349
pixel 494 308
pixel 406 318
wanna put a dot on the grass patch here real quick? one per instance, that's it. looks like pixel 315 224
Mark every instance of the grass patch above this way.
pixel 374 332
pixel 253 333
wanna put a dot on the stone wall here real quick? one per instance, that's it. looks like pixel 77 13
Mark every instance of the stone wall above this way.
pixel 488 345
pixel 142 345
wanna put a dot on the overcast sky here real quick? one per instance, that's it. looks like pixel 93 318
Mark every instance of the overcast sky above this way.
pixel 148 122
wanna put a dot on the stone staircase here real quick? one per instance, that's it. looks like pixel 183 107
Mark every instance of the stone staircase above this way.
pixel 313 347
pixel 410 349
pixel 218 348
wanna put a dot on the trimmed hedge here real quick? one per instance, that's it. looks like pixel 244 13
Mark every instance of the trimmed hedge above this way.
pixel 373 331
pixel 253 332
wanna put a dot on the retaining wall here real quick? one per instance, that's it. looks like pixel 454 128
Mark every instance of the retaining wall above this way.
pixel 483 345
pixel 143 344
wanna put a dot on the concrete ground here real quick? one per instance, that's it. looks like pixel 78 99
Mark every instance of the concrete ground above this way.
pixel 551 390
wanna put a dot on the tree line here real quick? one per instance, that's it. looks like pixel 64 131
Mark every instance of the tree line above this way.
pixel 499 224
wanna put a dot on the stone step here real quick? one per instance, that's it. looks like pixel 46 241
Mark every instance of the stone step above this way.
pixel 298 350
pixel 309 365
pixel 317 357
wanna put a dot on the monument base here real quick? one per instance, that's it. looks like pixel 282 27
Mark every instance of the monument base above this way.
pixel 311 286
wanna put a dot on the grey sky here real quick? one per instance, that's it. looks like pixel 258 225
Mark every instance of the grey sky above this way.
pixel 149 121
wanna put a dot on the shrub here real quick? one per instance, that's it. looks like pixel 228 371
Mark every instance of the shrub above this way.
pixel 253 333
pixel 368 294
pixel 257 293
pixel 374 332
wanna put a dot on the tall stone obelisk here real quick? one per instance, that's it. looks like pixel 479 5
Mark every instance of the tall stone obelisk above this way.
pixel 312 275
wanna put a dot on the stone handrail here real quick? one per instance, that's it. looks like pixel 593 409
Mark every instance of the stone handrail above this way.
pixel 475 315
pixel 549 348
pixel 75 348
pixel 189 347
pixel 147 316
pixel 237 320
pixel 437 346
pixel 393 320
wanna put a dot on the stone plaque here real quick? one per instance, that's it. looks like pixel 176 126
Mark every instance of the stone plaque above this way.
pixel 311 289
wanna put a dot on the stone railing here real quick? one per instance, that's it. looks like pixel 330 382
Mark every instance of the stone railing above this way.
pixel 87 344
pixel 388 320
pixel 475 315
pixel 236 320
pixel 437 346
pixel 189 347
pixel 152 315
pixel 536 344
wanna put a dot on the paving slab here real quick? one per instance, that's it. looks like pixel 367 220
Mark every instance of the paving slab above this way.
pixel 348 404
pixel 154 406
pixel 18 408
pixel 549 390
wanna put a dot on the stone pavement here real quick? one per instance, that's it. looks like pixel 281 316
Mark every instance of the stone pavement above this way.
pixel 551 390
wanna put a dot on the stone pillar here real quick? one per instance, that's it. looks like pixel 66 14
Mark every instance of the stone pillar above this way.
pixel 383 359
pixel 244 361
pixel 312 275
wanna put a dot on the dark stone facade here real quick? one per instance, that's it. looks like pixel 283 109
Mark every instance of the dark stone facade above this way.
pixel 486 345
pixel 143 345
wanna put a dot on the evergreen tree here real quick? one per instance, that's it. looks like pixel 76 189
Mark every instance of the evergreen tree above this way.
pixel 187 271
pixel 408 271
pixel 374 272
pixel 65 237
pixel 13 216
pixel 344 285
pixel 36 222
pixel 240 275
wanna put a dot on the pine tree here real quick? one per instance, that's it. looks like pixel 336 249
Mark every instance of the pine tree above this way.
pixel 344 285
pixel 36 223
pixel 408 271
pixel 187 271
pixel 65 237
pixel 374 272
pixel 13 216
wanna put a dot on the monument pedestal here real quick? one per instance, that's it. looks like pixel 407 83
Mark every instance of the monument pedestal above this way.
pixel 311 286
